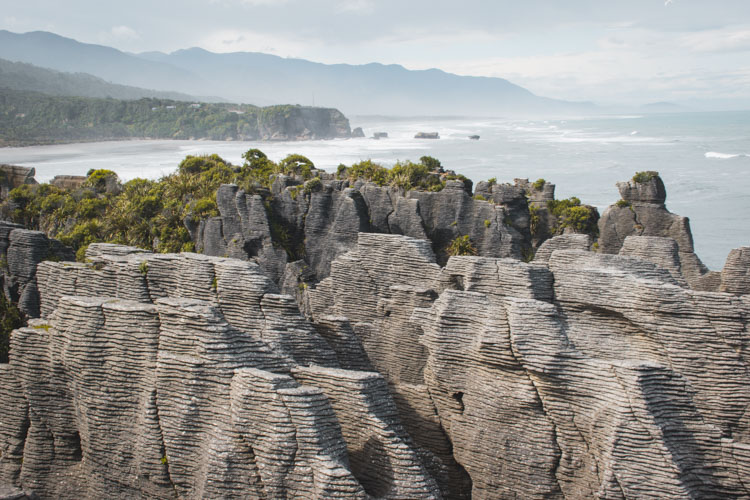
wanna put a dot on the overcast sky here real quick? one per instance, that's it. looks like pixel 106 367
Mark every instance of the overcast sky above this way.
pixel 608 51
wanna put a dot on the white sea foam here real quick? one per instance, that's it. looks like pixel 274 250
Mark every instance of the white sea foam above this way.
pixel 723 156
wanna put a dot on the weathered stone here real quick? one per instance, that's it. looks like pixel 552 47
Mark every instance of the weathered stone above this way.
pixel 192 356
pixel 25 250
pixel 68 181
pixel 13 176
pixel 652 191
pixel 644 214
pixel 562 242
pixel 735 278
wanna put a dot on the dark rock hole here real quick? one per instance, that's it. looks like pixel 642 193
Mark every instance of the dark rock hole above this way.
pixel 459 397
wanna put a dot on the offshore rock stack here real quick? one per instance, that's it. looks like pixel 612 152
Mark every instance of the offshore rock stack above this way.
pixel 387 373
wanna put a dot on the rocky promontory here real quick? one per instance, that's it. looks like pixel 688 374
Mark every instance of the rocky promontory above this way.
pixel 350 338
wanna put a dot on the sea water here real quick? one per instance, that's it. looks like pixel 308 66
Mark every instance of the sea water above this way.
pixel 704 159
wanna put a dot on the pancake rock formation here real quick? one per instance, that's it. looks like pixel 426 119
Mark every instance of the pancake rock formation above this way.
pixel 381 369
pixel 186 376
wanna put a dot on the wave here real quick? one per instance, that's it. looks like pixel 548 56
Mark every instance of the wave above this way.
pixel 724 156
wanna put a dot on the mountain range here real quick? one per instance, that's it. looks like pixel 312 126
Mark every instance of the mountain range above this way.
pixel 264 79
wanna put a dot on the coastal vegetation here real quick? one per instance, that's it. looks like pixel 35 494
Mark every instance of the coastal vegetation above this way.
pixel 10 319
pixel 461 245
pixel 569 213
pixel 149 214
pixel 644 177
pixel 28 118
pixel 427 175
pixel 155 214
pixel 163 215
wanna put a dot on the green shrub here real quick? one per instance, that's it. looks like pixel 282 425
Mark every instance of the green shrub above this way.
pixel 198 164
pixel 479 197
pixel 643 177
pixel 205 208
pixel 487 223
pixel 492 181
pixel 296 165
pixel 559 207
pixel 539 184
pixel 581 219
pixel 314 184
pixel 433 164
pixel 98 179
pixel 10 319
pixel 622 203
pixel 461 245
pixel 533 219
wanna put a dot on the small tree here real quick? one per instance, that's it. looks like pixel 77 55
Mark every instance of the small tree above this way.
pixel 461 245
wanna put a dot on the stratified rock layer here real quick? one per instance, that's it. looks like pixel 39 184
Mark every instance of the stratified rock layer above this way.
pixel 578 375
pixel 642 212
pixel 595 376
pixel 188 376
pixel 320 224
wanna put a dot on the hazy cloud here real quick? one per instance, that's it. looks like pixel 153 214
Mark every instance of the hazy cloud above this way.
pixel 361 6
pixel 124 32
pixel 721 40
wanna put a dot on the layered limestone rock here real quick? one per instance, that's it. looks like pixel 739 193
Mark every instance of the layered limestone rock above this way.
pixel 735 277
pixel 317 222
pixel 377 367
pixel 598 376
pixel 562 242
pixel 188 376
pixel 21 251
pixel 13 176
pixel 642 212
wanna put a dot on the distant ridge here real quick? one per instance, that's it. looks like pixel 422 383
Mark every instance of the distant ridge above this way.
pixel 264 79
pixel 23 76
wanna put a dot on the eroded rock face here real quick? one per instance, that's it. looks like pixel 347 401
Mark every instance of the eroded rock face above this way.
pixel 735 277
pixel 13 176
pixel 304 123
pixel 585 373
pixel 21 251
pixel 317 225
pixel 579 375
pixel 642 212
pixel 189 376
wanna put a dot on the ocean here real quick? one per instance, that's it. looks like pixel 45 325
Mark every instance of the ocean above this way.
pixel 704 159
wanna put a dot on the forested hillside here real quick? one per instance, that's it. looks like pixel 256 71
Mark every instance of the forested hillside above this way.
pixel 28 118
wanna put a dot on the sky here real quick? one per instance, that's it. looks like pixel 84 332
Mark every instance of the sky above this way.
pixel 606 51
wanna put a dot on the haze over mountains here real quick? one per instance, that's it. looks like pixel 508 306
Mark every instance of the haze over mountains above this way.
pixel 264 79
pixel 27 77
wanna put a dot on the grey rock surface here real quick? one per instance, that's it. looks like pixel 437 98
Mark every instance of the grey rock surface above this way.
pixel 318 225
pixel 585 373
pixel 735 277
pixel 21 252
pixel 370 370
pixel 188 376
pixel 562 242
pixel 13 176
pixel 643 213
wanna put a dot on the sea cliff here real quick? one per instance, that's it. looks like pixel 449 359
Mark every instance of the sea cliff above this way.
pixel 558 354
